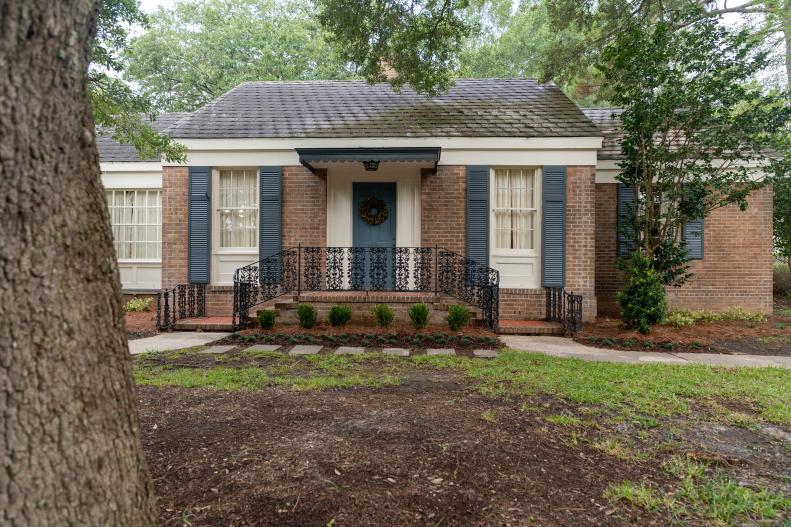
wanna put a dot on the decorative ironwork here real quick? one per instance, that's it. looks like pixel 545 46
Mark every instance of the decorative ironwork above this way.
pixel 182 301
pixel 565 308
pixel 405 269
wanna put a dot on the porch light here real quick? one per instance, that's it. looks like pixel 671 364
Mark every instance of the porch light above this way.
pixel 371 166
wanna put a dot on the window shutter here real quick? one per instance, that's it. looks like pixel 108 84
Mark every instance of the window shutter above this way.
pixel 625 212
pixel 270 236
pixel 692 234
pixel 478 214
pixel 553 227
pixel 199 225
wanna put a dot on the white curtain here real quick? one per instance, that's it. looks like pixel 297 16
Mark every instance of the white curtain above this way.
pixel 514 208
pixel 136 219
pixel 238 208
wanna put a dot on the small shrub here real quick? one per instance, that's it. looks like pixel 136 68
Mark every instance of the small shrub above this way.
pixel 628 343
pixel 418 314
pixel 643 299
pixel 138 305
pixel 458 316
pixel 606 341
pixel 266 318
pixel 669 345
pixel 307 316
pixel 383 314
pixel 339 315
pixel 680 319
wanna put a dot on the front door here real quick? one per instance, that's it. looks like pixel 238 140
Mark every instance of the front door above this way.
pixel 375 230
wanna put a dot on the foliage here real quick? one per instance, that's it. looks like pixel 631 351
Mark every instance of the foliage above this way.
pixel 643 299
pixel 692 127
pixel 640 495
pixel 195 51
pixel 679 319
pixel 419 315
pixel 781 280
pixel 266 318
pixel 682 318
pixel 118 110
pixel 419 40
pixel 307 316
pixel 339 315
pixel 458 316
pixel 781 219
pixel 138 304
pixel 383 314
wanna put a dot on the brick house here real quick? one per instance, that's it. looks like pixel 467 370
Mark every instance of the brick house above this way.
pixel 506 173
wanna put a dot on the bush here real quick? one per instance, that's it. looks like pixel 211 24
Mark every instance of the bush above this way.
pixel 458 316
pixel 339 315
pixel 266 318
pixel 383 314
pixel 138 304
pixel 307 316
pixel 680 319
pixel 418 314
pixel 643 299
pixel 781 280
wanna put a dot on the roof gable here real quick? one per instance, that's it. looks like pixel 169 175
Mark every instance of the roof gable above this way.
pixel 111 150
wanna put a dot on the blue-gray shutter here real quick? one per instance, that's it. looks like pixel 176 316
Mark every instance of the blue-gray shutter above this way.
pixel 553 227
pixel 625 219
pixel 270 234
pixel 199 225
pixel 478 214
pixel 692 234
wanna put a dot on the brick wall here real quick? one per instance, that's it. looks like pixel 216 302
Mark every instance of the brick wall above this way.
pixel 443 209
pixel 304 207
pixel 175 204
pixel 581 236
pixel 735 272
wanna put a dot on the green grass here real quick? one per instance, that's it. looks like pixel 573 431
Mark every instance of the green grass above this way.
pixel 564 420
pixel 642 495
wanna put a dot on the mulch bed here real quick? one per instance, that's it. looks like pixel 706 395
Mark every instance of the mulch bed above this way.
pixel 140 324
pixel 395 336
pixel 420 453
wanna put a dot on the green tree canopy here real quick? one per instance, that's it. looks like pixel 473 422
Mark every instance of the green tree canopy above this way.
pixel 198 50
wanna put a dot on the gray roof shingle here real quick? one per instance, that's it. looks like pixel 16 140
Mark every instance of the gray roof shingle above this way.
pixel 111 150
pixel 609 122
pixel 471 108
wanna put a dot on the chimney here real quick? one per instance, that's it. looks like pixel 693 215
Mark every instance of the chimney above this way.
pixel 388 72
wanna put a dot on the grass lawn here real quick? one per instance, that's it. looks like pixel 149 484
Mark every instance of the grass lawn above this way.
pixel 627 444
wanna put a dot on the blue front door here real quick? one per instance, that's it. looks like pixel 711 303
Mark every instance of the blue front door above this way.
pixel 379 239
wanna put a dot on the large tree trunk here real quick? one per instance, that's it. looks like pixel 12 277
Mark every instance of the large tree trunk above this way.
pixel 69 440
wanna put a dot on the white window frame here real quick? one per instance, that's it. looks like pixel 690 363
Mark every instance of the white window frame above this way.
pixel 537 197
pixel 230 257
pixel 146 225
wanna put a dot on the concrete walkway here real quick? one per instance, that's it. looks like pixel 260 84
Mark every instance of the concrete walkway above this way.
pixel 173 341
pixel 566 347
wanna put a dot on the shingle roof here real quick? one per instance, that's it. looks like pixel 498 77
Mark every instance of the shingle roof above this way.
pixel 111 150
pixel 471 108
pixel 609 122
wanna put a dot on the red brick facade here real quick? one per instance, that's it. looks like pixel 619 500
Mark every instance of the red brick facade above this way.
pixel 736 270
pixel 443 209
pixel 175 218
pixel 304 207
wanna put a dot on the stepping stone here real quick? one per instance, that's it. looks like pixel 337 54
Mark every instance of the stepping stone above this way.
pixel 217 349
pixel 396 352
pixel 263 347
pixel 302 349
pixel 441 351
pixel 485 354
pixel 348 350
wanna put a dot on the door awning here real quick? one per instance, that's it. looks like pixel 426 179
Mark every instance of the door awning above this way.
pixel 369 157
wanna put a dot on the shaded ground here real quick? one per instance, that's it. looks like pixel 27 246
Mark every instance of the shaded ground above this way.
pixel 427 452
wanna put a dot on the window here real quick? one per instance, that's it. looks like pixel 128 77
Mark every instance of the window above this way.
pixel 514 208
pixel 136 219
pixel 237 207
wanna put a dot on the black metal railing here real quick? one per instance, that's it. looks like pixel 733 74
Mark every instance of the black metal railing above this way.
pixel 179 302
pixel 565 308
pixel 386 269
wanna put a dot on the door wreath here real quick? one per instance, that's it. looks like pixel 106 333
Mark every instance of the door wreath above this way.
pixel 373 211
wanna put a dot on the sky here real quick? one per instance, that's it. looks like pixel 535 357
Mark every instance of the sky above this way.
pixel 149 6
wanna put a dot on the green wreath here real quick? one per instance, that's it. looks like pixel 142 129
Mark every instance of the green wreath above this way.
pixel 373 211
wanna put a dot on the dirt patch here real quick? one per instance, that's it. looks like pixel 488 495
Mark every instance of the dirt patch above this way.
pixel 427 452
pixel 140 324
pixel 370 337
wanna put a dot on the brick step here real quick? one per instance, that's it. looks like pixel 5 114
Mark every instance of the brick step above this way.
pixel 530 327
pixel 204 324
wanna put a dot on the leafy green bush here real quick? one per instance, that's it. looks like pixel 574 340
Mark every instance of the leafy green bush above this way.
pixel 458 316
pixel 781 280
pixel 266 318
pixel 339 315
pixel 307 316
pixel 418 314
pixel 138 305
pixel 383 314
pixel 680 319
pixel 643 299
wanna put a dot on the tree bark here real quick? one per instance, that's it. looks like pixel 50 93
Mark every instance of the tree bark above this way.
pixel 69 438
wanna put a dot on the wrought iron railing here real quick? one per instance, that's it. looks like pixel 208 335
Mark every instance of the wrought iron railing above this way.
pixel 179 302
pixel 386 269
pixel 565 308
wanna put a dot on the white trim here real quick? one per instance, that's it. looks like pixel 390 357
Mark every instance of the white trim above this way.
pixel 132 180
pixel 608 169
pixel 131 166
